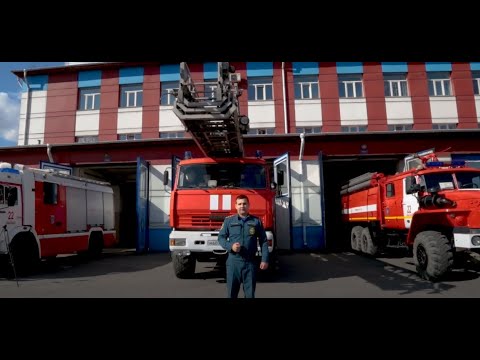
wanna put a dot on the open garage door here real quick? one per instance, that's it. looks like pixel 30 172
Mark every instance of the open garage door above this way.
pixel 142 205
pixel 283 203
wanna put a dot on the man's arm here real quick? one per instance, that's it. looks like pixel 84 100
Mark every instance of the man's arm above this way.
pixel 223 236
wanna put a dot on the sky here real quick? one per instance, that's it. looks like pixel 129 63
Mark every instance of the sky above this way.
pixel 10 95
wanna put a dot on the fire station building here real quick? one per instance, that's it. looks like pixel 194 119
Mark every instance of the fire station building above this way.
pixel 324 122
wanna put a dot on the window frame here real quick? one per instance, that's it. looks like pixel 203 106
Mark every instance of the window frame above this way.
pixel 128 91
pixel 86 93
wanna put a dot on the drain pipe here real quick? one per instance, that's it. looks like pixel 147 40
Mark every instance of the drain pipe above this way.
pixel 49 153
pixel 284 89
pixel 302 146
pixel 27 110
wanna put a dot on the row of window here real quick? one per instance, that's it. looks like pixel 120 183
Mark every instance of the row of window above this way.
pixel 261 89
pixel 268 131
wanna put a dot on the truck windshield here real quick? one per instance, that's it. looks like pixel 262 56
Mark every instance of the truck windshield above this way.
pixel 445 181
pixel 246 176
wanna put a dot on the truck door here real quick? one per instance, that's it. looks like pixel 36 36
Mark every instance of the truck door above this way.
pixel 409 205
pixel 282 219
pixel 142 205
pixel 11 216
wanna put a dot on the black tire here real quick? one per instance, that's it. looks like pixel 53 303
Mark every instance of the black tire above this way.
pixel 432 255
pixel 368 245
pixel 25 255
pixel 95 245
pixel 183 266
pixel 355 238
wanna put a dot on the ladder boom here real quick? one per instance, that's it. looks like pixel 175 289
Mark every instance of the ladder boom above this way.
pixel 212 117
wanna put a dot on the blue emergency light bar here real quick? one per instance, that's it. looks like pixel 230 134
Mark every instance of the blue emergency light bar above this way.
pixel 9 170
pixel 454 163
pixel 434 163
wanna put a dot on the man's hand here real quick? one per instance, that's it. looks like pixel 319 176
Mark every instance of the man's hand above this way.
pixel 236 247
pixel 263 265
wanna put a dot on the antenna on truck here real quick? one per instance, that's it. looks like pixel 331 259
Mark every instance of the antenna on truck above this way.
pixel 6 238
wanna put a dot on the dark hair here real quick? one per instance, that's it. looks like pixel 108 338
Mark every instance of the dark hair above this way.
pixel 242 196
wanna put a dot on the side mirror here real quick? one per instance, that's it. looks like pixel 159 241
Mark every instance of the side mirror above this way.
pixel 273 185
pixel 165 177
pixel 411 185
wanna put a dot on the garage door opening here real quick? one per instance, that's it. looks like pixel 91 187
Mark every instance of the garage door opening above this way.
pixel 122 177
pixel 337 171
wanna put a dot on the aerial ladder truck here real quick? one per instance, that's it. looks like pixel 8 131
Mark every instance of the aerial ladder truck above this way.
pixel 204 189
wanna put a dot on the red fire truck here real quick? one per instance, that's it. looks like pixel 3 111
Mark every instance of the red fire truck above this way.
pixel 432 208
pixel 44 213
pixel 198 206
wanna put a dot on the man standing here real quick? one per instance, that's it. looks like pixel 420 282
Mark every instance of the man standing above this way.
pixel 239 235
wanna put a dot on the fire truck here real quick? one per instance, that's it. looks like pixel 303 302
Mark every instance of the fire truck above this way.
pixel 198 207
pixel 431 208
pixel 45 213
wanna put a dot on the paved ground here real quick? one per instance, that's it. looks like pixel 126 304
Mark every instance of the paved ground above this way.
pixel 122 273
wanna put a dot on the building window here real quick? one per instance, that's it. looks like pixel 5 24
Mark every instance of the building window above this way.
pixel 86 139
pixel 89 98
pixel 172 134
pixel 309 130
pixel 439 84
pixel 260 88
pixel 400 127
pixel 131 95
pixel 444 126
pixel 167 88
pixel 476 82
pixel 350 86
pixel 395 84
pixel 125 137
pixel 355 128
pixel 263 131
pixel 306 87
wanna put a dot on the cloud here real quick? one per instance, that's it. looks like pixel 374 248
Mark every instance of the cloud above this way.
pixel 9 116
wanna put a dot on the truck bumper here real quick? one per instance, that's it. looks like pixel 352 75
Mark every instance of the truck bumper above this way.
pixel 466 238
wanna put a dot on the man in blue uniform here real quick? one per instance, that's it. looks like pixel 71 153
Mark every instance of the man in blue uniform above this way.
pixel 239 235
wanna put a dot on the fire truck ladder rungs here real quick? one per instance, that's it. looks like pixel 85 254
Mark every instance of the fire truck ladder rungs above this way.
pixel 213 121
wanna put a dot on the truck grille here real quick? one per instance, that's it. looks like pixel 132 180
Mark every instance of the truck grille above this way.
pixel 212 221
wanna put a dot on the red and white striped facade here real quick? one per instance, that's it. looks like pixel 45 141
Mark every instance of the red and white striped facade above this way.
pixel 49 113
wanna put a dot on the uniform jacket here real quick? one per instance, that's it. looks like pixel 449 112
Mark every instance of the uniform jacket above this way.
pixel 246 232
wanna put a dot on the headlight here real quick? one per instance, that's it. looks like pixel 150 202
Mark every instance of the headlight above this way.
pixel 178 242
pixel 476 240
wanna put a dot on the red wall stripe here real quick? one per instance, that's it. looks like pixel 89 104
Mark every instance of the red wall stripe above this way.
pixel 61 107
pixel 418 87
pixel 463 87
pixel 328 82
pixel 109 104
pixel 151 102
pixel 375 96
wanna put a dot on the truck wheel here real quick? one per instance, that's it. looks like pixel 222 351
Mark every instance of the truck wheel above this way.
pixel 368 246
pixel 95 245
pixel 432 254
pixel 25 255
pixel 355 238
pixel 183 266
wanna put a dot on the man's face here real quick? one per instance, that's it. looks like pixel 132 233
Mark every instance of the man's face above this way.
pixel 242 207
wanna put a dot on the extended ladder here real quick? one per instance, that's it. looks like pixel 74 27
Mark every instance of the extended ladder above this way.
pixel 212 116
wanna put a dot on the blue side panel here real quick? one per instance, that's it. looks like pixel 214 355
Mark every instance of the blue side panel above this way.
pixel 142 203
pixel 259 69
pixel 438 66
pixel 210 71
pixel 297 238
pixel 305 68
pixel 91 78
pixel 36 83
pixel 475 66
pixel 132 75
pixel 349 68
pixel 158 240
pixel 394 67
pixel 314 236
pixel 170 72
